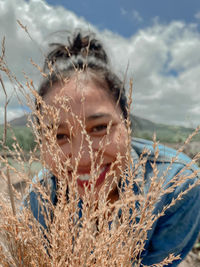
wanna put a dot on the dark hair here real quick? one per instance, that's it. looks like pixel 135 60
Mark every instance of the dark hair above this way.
pixel 83 53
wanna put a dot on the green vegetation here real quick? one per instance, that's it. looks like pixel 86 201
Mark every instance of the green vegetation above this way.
pixel 23 135
pixel 143 128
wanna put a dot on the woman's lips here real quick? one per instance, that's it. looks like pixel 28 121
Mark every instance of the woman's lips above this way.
pixel 83 180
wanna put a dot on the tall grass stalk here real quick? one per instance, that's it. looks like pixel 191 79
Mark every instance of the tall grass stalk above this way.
pixel 100 237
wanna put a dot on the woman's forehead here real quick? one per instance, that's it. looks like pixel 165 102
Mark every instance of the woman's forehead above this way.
pixel 77 89
pixel 81 98
pixel 78 92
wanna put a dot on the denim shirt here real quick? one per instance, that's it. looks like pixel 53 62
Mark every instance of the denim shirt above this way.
pixel 177 230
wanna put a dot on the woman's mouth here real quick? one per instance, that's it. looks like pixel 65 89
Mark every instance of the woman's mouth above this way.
pixel 84 180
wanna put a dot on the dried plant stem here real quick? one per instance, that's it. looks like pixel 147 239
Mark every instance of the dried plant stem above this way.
pixel 4 144
pixel 91 232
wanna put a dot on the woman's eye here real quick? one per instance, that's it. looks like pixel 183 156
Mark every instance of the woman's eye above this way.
pixel 99 128
pixel 62 137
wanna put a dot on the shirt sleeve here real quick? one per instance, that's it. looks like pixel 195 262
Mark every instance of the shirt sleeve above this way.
pixel 177 230
pixel 35 201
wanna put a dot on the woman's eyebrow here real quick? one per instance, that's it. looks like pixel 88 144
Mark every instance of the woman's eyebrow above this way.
pixel 98 116
pixel 95 116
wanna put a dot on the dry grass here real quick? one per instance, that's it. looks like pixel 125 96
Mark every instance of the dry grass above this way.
pixel 69 240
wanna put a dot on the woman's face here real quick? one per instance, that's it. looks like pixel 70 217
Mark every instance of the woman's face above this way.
pixel 88 120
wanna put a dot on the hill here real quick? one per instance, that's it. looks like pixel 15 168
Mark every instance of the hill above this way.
pixel 21 121
pixel 165 133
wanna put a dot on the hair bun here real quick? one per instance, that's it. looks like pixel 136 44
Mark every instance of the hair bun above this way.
pixel 88 46
pixel 84 46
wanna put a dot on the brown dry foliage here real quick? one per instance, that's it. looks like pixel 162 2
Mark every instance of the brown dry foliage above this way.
pixel 72 241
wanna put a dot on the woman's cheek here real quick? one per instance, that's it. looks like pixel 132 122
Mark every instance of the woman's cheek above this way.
pixel 117 143
pixel 121 137
pixel 53 156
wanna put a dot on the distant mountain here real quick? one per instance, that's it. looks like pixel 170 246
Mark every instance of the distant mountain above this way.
pixel 165 133
pixel 21 121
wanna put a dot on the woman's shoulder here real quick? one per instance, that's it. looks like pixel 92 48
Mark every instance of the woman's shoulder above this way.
pixel 169 163
pixel 165 153
pixel 42 186
pixel 43 182
pixel 44 177
pixel 180 178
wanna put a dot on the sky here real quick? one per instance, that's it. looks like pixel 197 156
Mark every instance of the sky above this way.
pixel 154 42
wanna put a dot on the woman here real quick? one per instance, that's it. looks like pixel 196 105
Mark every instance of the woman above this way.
pixel 83 105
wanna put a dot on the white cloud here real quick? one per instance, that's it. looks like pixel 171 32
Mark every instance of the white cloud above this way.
pixel 136 16
pixel 163 59
pixel 164 62
pixel 123 11
pixel 132 14
pixel 41 20
pixel 197 15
